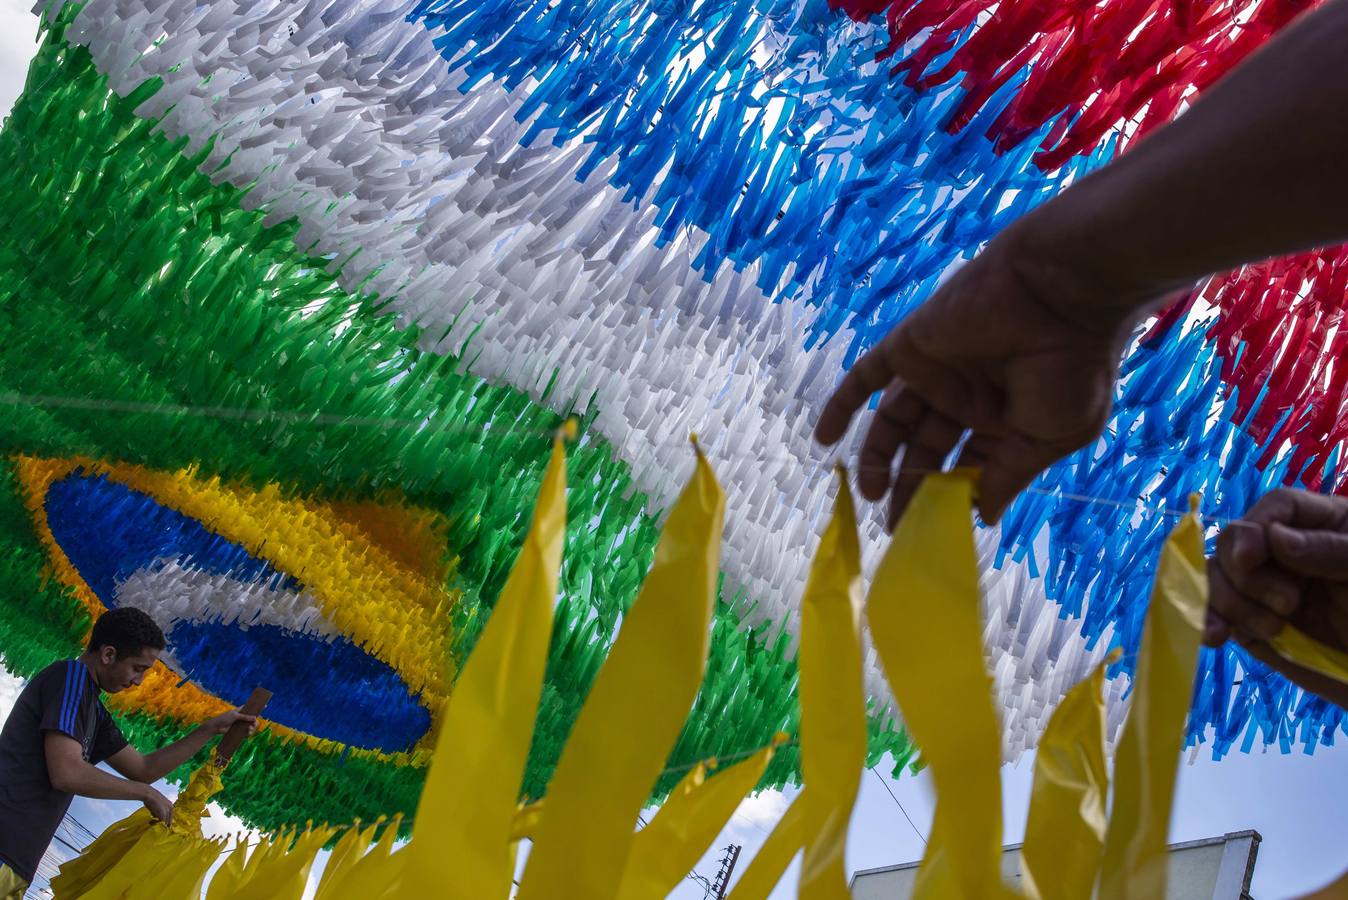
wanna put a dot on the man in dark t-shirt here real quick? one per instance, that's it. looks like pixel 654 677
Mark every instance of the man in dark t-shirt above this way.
pixel 59 731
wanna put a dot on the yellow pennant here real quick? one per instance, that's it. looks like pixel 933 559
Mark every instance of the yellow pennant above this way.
pixel 461 840
pixel 666 850
pixel 635 710
pixel 832 701
pixel 924 615
pixel 79 875
pixel 1148 755
pixel 229 876
pixel 1065 831
pixel 370 876
pixel 343 859
pixel 1304 650
pixel 283 872
pixel 771 860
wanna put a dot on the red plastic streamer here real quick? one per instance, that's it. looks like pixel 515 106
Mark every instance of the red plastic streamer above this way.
pixel 1100 63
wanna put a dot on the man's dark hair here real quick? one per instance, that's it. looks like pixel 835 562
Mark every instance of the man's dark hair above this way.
pixel 127 630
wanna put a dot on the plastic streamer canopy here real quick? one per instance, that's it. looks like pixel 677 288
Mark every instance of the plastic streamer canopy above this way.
pixel 923 609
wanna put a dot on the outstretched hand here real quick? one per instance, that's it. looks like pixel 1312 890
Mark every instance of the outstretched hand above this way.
pixel 222 723
pixel 1020 355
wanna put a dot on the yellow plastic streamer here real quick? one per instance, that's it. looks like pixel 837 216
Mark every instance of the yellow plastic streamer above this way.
pixel 229 876
pixel 635 709
pixel 279 869
pixel 461 843
pixel 1065 831
pixel 370 876
pixel 78 876
pixel 1148 755
pixel 343 859
pixel 771 860
pixel 832 701
pixel 667 849
pixel 1304 650
pixel 191 803
pixel 924 614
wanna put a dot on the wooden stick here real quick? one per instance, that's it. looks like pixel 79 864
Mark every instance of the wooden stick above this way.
pixel 239 730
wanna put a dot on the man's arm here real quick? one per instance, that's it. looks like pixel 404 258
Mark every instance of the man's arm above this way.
pixel 68 771
pixel 1022 345
pixel 150 767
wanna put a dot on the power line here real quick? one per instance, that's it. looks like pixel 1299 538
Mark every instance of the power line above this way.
pixel 899 805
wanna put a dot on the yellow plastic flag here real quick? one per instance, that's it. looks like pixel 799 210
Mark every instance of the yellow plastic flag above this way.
pixel 160 865
pixel 372 875
pixel 348 851
pixel 283 870
pixel 924 615
pixel 666 850
pixel 229 876
pixel 635 709
pixel 461 840
pixel 1065 830
pixel 77 876
pixel 771 860
pixel 1305 650
pixel 1149 751
pixel 832 701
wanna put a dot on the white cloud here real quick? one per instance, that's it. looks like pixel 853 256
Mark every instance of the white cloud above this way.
pixel 10 686
pixel 763 810
pixel 18 44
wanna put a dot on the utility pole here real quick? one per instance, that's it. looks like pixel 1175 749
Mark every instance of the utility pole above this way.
pixel 721 883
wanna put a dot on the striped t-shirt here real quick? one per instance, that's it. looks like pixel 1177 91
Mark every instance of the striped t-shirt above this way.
pixel 63 698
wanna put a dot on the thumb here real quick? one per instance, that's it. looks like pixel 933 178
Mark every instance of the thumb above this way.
pixel 1319 554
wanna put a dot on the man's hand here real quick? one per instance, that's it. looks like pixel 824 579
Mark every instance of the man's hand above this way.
pixel 221 723
pixel 1286 562
pixel 1022 353
pixel 158 805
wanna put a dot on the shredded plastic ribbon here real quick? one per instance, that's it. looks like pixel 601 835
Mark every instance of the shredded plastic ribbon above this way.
pixel 940 678
pixel 1065 828
pixel 667 849
pixel 635 709
pixel 468 805
pixel 1134 860
pixel 1304 650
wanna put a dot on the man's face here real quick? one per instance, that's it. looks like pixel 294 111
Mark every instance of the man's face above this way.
pixel 119 674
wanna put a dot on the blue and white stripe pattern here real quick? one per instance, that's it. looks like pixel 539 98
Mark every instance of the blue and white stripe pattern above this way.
pixel 689 216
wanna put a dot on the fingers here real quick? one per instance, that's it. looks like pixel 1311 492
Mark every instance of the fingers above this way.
pixel 1334 691
pixel 931 442
pixel 1316 554
pixel 894 422
pixel 1299 509
pixel 1245 618
pixel 869 374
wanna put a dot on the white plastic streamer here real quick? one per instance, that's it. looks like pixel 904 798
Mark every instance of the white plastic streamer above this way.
pixel 343 115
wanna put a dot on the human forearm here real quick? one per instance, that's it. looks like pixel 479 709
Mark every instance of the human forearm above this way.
pixel 79 777
pixel 1254 169
pixel 167 758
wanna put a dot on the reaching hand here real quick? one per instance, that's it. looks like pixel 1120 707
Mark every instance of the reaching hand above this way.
pixel 1023 355
pixel 1286 562
pixel 221 723
pixel 158 805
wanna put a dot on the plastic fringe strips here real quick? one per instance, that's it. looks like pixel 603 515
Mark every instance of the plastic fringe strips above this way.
pixel 469 822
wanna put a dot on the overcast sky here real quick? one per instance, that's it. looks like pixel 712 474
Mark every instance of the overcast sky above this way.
pixel 1297 802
